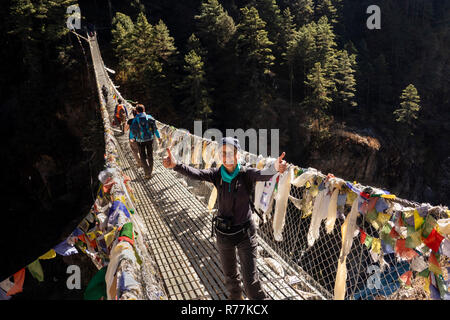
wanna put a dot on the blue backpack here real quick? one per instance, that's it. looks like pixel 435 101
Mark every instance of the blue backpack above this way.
pixel 143 128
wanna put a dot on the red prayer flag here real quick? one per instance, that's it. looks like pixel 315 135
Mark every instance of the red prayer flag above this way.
pixel 82 238
pixel 364 207
pixel 393 234
pixel 400 221
pixel 363 236
pixel 108 185
pixel 364 195
pixel 403 252
pixel 406 278
pixel 372 203
pixel 19 278
pixel 125 238
pixel 433 241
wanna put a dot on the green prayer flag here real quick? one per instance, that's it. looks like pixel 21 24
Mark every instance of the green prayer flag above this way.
pixel 386 230
pixel 440 284
pixel 372 215
pixel 96 288
pixel 36 271
pixel 385 235
pixel 127 230
pixel 424 273
pixel 411 230
pixel 428 226
pixel 413 240
pixel 138 257
pixel 368 241
pixel 424 249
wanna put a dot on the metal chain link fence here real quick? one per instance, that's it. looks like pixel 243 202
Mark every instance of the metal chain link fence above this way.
pixel 366 279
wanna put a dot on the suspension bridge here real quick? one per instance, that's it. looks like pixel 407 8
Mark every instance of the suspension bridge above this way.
pixel 176 232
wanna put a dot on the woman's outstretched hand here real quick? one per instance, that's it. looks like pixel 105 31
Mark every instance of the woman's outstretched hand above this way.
pixel 169 162
pixel 280 164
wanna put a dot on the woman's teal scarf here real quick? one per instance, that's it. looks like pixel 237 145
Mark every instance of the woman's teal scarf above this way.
pixel 228 177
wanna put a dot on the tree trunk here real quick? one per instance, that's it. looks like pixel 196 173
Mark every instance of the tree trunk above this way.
pixel 110 12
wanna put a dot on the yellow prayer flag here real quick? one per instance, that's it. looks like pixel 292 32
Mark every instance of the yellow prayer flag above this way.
pixel 435 269
pixel 109 237
pixel 376 245
pixel 48 255
pixel 351 196
pixel 383 217
pixel 259 165
pixel 381 220
pixel 427 285
pixel 408 213
pixel 388 196
pixel 376 224
pixel 91 235
pixel 418 220
pixel 120 198
pixel 314 190
pixel 306 213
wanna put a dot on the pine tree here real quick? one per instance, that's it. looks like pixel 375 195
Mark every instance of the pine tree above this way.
pixel 302 46
pixel 142 51
pixel 326 8
pixel 21 18
pixel 136 7
pixel 409 107
pixel 123 28
pixel 288 28
pixel 40 28
pixel 197 102
pixel 215 26
pixel 163 44
pixel 254 51
pixel 160 73
pixel 269 12
pixel 253 44
pixel 341 73
pixel 319 98
pixel 313 42
pixel 299 59
pixel 195 44
pixel 287 38
pixel 325 40
pixel 145 53
pixel 302 10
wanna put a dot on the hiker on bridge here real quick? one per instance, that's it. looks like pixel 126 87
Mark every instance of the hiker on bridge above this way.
pixel 120 115
pixel 233 224
pixel 142 130
pixel 133 144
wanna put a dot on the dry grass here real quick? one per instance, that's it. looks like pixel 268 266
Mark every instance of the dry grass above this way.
pixel 371 142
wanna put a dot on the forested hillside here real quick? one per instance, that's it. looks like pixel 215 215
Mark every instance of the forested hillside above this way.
pixel 52 133
pixel 310 68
